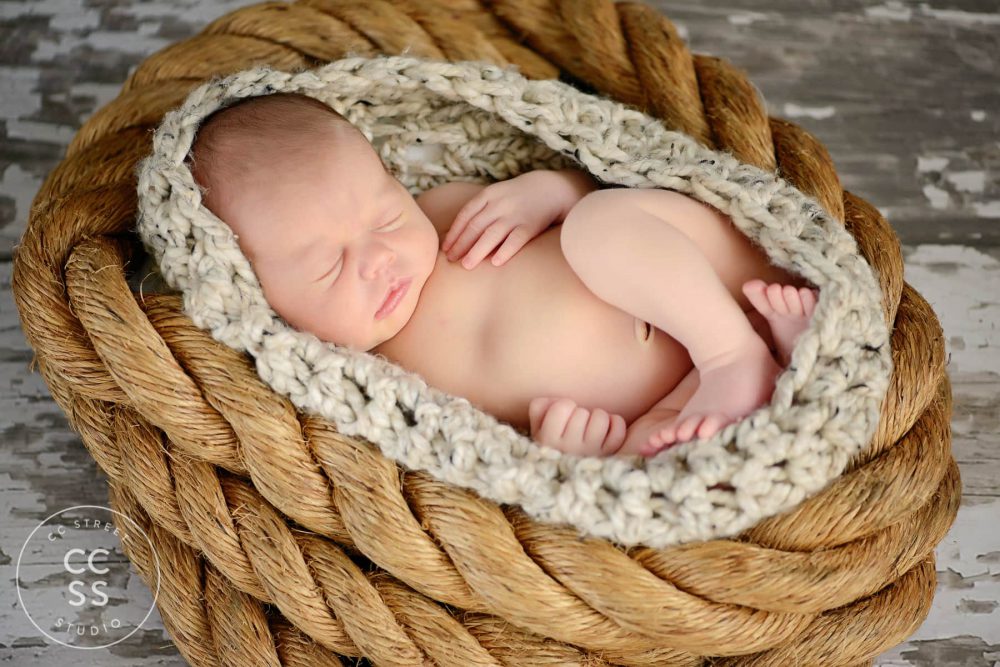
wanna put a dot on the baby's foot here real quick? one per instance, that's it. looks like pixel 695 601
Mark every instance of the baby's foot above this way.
pixel 787 309
pixel 659 435
pixel 726 392
pixel 643 436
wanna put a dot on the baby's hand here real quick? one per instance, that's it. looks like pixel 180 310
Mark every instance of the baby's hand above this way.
pixel 572 429
pixel 517 210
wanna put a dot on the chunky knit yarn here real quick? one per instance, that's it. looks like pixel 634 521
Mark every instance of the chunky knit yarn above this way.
pixel 491 123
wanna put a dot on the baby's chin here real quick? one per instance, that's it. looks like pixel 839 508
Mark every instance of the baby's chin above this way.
pixel 381 346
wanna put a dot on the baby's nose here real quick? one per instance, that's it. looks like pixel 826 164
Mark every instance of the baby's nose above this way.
pixel 379 259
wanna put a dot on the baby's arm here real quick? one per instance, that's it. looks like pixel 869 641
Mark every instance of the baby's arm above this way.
pixel 569 187
pixel 517 210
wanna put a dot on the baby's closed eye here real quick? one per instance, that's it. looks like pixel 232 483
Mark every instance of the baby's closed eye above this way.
pixel 395 219
pixel 395 222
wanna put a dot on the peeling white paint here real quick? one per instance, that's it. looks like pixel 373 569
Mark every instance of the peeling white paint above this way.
pixel 100 40
pixel 987 209
pixel 746 18
pixel 793 110
pixel 963 577
pixel 936 196
pixel 18 93
pixel 22 185
pixel 52 8
pixel 892 10
pixel 968 181
pixel 961 284
pixel 926 163
pixel 19 99
pixel 79 18
pixel 195 12
pixel 43 132
pixel 959 16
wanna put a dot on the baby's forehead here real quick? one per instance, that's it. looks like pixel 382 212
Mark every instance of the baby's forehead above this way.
pixel 306 226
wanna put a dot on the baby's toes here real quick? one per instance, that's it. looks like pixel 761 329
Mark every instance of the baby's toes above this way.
pixel 652 445
pixel 776 296
pixel 754 291
pixel 668 434
pixel 792 300
pixel 658 440
pixel 685 431
pixel 711 425
pixel 809 297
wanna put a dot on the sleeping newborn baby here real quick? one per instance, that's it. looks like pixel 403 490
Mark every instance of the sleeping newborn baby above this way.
pixel 614 321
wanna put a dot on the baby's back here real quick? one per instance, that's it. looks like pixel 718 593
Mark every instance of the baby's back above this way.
pixel 501 336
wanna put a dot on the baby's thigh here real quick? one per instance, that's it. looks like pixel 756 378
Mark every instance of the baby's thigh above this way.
pixel 729 251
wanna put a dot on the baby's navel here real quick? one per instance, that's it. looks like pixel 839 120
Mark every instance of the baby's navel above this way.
pixel 643 331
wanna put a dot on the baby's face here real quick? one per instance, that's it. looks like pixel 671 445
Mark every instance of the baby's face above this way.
pixel 330 237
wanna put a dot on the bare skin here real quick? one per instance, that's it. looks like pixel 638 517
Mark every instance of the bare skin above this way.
pixel 786 311
pixel 332 267
pixel 695 254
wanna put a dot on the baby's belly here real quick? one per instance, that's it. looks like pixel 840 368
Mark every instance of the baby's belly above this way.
pixel 547 334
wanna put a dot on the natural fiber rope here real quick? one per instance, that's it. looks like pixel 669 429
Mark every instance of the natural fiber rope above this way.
pixel 213 465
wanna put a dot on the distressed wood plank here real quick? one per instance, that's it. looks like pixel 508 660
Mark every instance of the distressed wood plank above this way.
pixel 903 95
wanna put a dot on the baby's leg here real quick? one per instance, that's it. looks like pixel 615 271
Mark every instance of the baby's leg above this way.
pixel 782 313
pixel 649 268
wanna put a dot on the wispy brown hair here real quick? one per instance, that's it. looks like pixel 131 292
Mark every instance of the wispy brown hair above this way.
pixel 237 139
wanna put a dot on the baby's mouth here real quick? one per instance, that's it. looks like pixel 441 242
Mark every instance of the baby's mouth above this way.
pixel 393 299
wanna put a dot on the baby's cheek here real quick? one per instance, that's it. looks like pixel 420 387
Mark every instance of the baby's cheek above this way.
pixel 432 245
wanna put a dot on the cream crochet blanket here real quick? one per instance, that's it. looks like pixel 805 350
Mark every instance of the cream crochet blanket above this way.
pixel 489 123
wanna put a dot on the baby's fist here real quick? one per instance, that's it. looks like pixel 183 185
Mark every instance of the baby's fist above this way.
pixel 562 424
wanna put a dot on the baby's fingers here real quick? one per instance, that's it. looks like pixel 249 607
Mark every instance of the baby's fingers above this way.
pixel 518 236
pixel 473 230
pixel 536 412
pixel 605 433
pixel 554 421
pixel 466 213
pixel 616 436
pixel 486 243
pixel 597 428
pixel 576 426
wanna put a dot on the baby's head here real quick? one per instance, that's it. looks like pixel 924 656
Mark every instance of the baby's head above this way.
pixel 328 230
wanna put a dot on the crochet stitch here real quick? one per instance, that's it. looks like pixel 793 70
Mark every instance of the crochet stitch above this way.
pixel 492 123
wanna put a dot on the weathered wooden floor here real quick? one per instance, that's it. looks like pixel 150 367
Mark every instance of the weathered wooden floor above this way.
pixel 904 94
